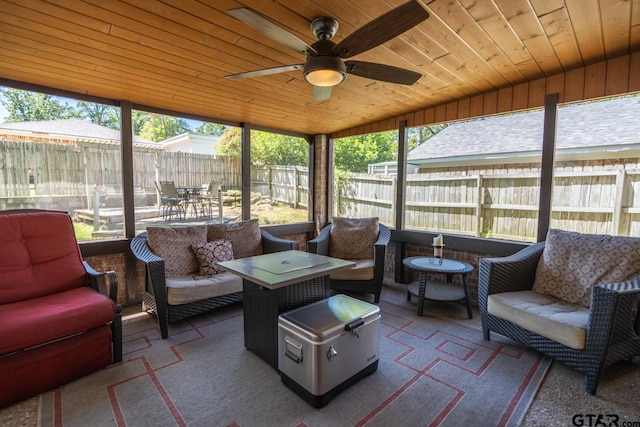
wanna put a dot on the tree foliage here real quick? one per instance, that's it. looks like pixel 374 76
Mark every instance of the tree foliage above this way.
pixel 24 106
pixel 355 153
pixel 208 128
pixel 266 148
pixel 230 144
pixel 158 127
pixel 100 114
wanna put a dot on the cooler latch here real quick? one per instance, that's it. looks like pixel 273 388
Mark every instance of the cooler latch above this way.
pixel 354 325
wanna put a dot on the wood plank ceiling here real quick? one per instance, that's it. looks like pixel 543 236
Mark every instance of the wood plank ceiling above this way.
pixel 174 54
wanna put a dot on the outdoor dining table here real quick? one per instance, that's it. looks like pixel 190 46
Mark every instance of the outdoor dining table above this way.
pixel 191 195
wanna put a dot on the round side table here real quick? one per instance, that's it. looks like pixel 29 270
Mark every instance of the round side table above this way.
pixel 435 290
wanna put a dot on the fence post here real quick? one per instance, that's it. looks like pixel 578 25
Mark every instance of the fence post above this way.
pixel 96 209
pixel 295 187
pixel 616 222
pixel 394 199
pixel 479 206
pixel 220 212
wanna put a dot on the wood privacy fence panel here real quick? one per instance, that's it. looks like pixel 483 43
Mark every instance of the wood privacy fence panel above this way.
pixel 287 184
pixel 442 203
pixel 260 180
pixel 501 205
pixel 30 169
pixel 509 206
pixel 366 196
pixel 70 170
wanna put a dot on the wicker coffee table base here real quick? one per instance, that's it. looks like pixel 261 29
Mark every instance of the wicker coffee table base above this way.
pixel 262 307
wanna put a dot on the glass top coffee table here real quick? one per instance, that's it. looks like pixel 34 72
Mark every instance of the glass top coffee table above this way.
pixel 438 290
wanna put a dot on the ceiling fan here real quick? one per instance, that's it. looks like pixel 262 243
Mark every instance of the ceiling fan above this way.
pixel 325 66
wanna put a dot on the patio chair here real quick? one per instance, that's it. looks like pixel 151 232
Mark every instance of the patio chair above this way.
pixel 209 198
pixel 170 201
pixel 573 297
pixel 363 241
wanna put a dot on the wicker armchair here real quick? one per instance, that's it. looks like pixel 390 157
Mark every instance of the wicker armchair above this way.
pixel 154 298
pixel 613 320
pixel 321 246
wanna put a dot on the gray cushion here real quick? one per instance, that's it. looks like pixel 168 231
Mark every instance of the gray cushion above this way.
pixel 544 315
pixel 186 289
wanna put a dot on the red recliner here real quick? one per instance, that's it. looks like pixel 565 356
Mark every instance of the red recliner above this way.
pixel 56 323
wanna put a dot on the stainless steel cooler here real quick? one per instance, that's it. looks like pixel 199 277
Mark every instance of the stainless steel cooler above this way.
pixel 326 346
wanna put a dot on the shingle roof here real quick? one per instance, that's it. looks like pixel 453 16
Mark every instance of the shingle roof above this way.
pixel 587 125
pixel 73 128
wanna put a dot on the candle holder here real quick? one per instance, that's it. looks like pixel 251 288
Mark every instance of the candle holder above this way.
pixel 437 254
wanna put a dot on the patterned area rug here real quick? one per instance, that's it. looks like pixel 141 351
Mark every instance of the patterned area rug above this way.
pixel 433 370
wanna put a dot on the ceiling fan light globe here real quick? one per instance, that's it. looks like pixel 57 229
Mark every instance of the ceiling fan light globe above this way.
pixel 325 78
pixel 325 71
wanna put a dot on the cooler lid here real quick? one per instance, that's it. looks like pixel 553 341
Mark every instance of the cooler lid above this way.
pixel 323 317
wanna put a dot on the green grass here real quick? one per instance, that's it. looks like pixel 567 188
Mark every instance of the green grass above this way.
pixel 278 214
pixel 83 231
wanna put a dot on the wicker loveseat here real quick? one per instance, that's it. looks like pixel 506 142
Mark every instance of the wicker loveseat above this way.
pixel 573 297
pixel 181 277
pixel 58 318
pixel 362 240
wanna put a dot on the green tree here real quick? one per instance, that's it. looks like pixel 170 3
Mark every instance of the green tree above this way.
pixel 159 127
pixel 138 119
pixel 100 114
pixel 208 128
pixel 24 106
pixel 355 153
pixel 275 149
pixel 231 142
pixel 266 148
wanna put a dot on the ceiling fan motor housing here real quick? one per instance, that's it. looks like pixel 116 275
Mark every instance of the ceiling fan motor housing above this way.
pixel 324 28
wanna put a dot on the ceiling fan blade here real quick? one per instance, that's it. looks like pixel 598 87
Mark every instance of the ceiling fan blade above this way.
pixel 320 93
pixel 386 73
pixel 382 29
pixel 270 29
pixel 265 72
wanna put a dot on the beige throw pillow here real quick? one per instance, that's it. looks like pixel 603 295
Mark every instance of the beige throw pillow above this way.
pixel 244 237
pixel 572 263
pixel 353 238
pixel 173 244
pixel 209 254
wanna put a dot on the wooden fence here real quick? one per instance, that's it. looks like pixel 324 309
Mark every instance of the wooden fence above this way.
pixel 37 169
pixel 499 203
pixel 34 174
pixel 503 206
pixel 288 184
